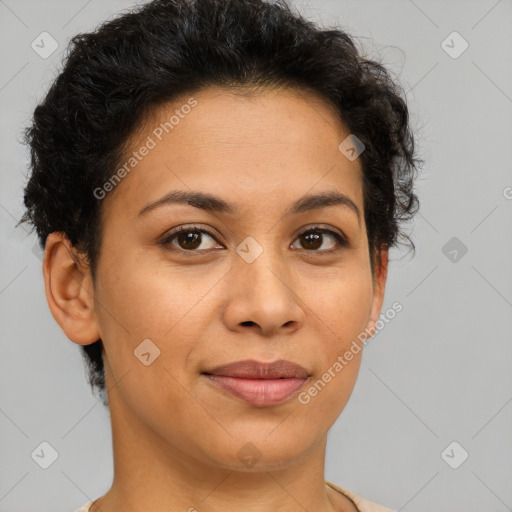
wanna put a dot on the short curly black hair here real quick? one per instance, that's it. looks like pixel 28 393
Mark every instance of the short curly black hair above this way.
pixel 114 76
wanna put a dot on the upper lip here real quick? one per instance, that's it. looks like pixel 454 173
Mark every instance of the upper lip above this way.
pixel 251 369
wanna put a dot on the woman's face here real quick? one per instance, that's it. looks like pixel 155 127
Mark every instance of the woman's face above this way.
pixel 255 285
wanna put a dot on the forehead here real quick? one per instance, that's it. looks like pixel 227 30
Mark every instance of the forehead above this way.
pixel 255 147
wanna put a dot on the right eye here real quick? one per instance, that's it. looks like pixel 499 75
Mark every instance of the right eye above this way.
pixel 188 239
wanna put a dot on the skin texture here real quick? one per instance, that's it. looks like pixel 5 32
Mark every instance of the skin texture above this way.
pixel 176 437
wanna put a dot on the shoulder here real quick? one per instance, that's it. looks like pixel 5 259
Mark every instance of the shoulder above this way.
pixel 362 504
pixel 85 508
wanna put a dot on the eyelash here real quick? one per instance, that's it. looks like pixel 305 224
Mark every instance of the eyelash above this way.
pixel 342 242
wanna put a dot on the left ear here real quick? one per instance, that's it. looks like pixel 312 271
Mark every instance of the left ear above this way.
pixel 381 260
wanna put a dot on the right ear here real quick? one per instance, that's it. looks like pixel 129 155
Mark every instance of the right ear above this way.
pixel 69 290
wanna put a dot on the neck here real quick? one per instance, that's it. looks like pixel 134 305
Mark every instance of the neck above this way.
pixel 158 471
pixel 152 474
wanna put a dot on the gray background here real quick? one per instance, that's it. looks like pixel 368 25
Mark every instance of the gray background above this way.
pixel 438 373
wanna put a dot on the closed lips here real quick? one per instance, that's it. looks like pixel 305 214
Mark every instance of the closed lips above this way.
pixel 252 369
pixel 260 384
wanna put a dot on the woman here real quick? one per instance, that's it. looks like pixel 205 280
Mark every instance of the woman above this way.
pixel 217 185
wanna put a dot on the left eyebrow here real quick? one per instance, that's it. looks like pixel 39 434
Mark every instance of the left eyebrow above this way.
pixel 323 200
pixel 211 203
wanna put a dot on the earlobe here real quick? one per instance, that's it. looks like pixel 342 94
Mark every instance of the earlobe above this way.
pixel 69 290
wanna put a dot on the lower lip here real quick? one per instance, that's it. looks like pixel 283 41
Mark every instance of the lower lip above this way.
pixel 258 391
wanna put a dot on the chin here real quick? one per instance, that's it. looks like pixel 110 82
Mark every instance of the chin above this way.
pixel 259 452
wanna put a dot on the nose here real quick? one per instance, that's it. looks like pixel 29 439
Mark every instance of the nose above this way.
pixel 263 298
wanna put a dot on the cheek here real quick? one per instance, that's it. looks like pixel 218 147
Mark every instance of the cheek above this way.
pixel 145 300
pixel 344 308
pixel 145 327
pixel 342 311
pixel 141 302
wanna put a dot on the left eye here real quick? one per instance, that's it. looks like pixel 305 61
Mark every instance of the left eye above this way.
pixel 189 239
pixel 314 239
